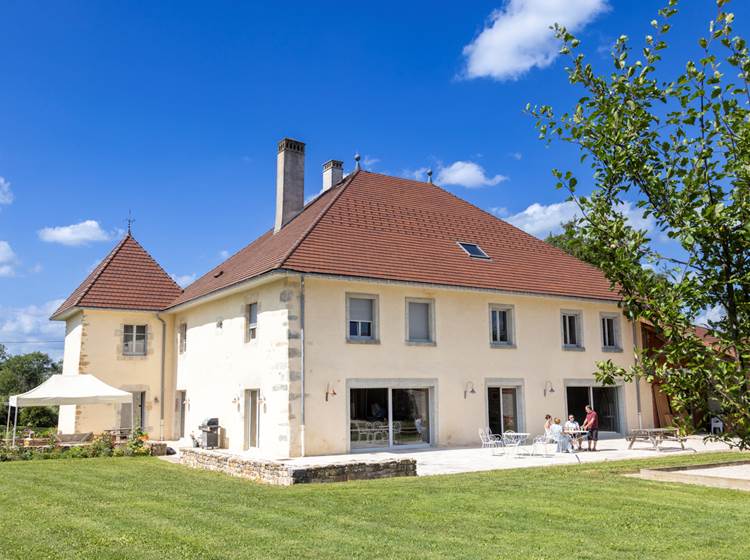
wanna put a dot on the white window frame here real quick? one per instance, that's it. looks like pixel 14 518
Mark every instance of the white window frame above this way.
pixel 251 329
pixel 616 318
pixel 374 327
pixel 510 312
pixel 182 338
pixel 432 341
pixel 135 327
pixel 578 314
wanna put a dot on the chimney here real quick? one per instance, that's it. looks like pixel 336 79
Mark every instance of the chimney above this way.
pixel 290 181
pixel 333 173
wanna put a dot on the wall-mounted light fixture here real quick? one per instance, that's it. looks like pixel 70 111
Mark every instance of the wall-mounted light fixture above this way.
pixel 548 388
pixel 330 391
pixel 469 389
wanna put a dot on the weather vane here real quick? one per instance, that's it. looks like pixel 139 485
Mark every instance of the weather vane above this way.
pixel 130 220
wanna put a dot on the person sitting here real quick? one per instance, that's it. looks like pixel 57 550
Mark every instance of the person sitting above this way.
pixel 573 426
pixel 547 424
pixel 561 438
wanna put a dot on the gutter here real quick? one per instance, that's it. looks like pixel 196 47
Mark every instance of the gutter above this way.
pixel 161 380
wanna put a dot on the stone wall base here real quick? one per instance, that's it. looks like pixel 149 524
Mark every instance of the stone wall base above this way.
pixel 279 473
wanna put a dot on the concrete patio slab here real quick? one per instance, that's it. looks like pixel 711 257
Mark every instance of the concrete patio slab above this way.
pixel 438 461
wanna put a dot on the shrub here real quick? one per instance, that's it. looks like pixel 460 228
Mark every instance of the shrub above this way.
pixel 38 416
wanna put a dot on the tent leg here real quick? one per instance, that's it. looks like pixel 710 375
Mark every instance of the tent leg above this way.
pixel 15 424
pixel 7 424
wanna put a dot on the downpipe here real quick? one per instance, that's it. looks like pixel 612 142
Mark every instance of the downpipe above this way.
pixel 302 365
pixel 162 375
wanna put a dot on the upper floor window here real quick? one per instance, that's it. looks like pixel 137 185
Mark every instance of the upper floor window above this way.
pixel 572 334
pixel 252 321
pixel 134 340
pixel 420 321
pixel 611 331
pixel 182 337
pixel 361 317
pixel 501 325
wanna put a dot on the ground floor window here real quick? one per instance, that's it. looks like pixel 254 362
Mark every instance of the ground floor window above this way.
pixel 605 401
pixel 389 417
pixel 502 411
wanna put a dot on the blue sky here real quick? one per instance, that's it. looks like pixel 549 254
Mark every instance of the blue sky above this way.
pixel 173 110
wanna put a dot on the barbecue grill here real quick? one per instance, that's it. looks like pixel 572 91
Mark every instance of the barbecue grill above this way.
pixel 209 433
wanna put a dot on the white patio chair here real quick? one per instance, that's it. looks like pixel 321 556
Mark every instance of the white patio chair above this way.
pixel 487 441
pixel 542 442
pixel 512 441
pixel 496 437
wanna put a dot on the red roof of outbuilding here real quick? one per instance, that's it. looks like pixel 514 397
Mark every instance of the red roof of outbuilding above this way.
pixel 378 226
pixel 128 278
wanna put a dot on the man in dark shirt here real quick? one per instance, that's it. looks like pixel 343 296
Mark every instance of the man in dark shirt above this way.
pixel 592 425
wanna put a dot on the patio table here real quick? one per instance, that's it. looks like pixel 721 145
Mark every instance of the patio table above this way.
pixel 656 436
pixel 513 440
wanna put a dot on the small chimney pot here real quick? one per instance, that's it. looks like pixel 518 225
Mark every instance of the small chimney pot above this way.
pixel 333 173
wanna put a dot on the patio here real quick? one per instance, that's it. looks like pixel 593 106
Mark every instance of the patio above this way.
pixel 437 461
pixel 454 460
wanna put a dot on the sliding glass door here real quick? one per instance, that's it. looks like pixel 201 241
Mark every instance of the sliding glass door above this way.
pixel 604 400
pixel 502 409
pixel 382 417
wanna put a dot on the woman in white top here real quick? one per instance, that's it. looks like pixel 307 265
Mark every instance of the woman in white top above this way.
pixel 563 440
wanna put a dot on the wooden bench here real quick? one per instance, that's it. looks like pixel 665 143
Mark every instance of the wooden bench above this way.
pixel 656 436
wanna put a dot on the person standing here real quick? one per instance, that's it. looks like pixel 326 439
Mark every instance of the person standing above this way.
pixel 592 425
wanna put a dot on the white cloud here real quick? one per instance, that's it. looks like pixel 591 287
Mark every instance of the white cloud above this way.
pixel 82 233
pixel 517 37
pixel 467 174
pixel 518 156
pixel 713 314
pixel 419 174
pixel 369 161
pixel 8 260
pixel 183 279
pixel 29 329
pixel 541 220
pixel 6 195
pixel 224 254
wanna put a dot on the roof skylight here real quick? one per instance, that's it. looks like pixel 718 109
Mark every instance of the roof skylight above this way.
pixel 473 250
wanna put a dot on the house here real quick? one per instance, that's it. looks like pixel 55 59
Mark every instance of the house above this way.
pixel 384 313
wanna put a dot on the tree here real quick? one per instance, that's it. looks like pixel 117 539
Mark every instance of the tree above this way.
pixel 22 373
pixel 572 242
pixel 680 150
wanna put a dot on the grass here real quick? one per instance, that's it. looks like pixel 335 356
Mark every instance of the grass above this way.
pixel 145 508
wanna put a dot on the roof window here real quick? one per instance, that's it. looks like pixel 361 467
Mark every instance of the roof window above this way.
pixel 473 250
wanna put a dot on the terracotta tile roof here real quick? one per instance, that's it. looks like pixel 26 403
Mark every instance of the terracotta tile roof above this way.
pixel 128 278
pixel 377 226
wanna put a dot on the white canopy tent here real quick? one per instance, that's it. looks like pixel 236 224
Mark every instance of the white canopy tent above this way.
pixel 66 389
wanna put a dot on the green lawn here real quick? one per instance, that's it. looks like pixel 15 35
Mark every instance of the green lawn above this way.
pixel 146 508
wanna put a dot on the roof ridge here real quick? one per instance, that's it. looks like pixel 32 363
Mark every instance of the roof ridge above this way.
pixel 102 267
pixel 315 222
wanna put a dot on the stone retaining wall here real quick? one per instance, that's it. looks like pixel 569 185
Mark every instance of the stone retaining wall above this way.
pixel 283 474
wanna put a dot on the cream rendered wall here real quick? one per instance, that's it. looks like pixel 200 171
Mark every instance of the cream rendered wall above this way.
pixel 219 364
pixel 71 361
pixel 462 354
pixel 101 355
